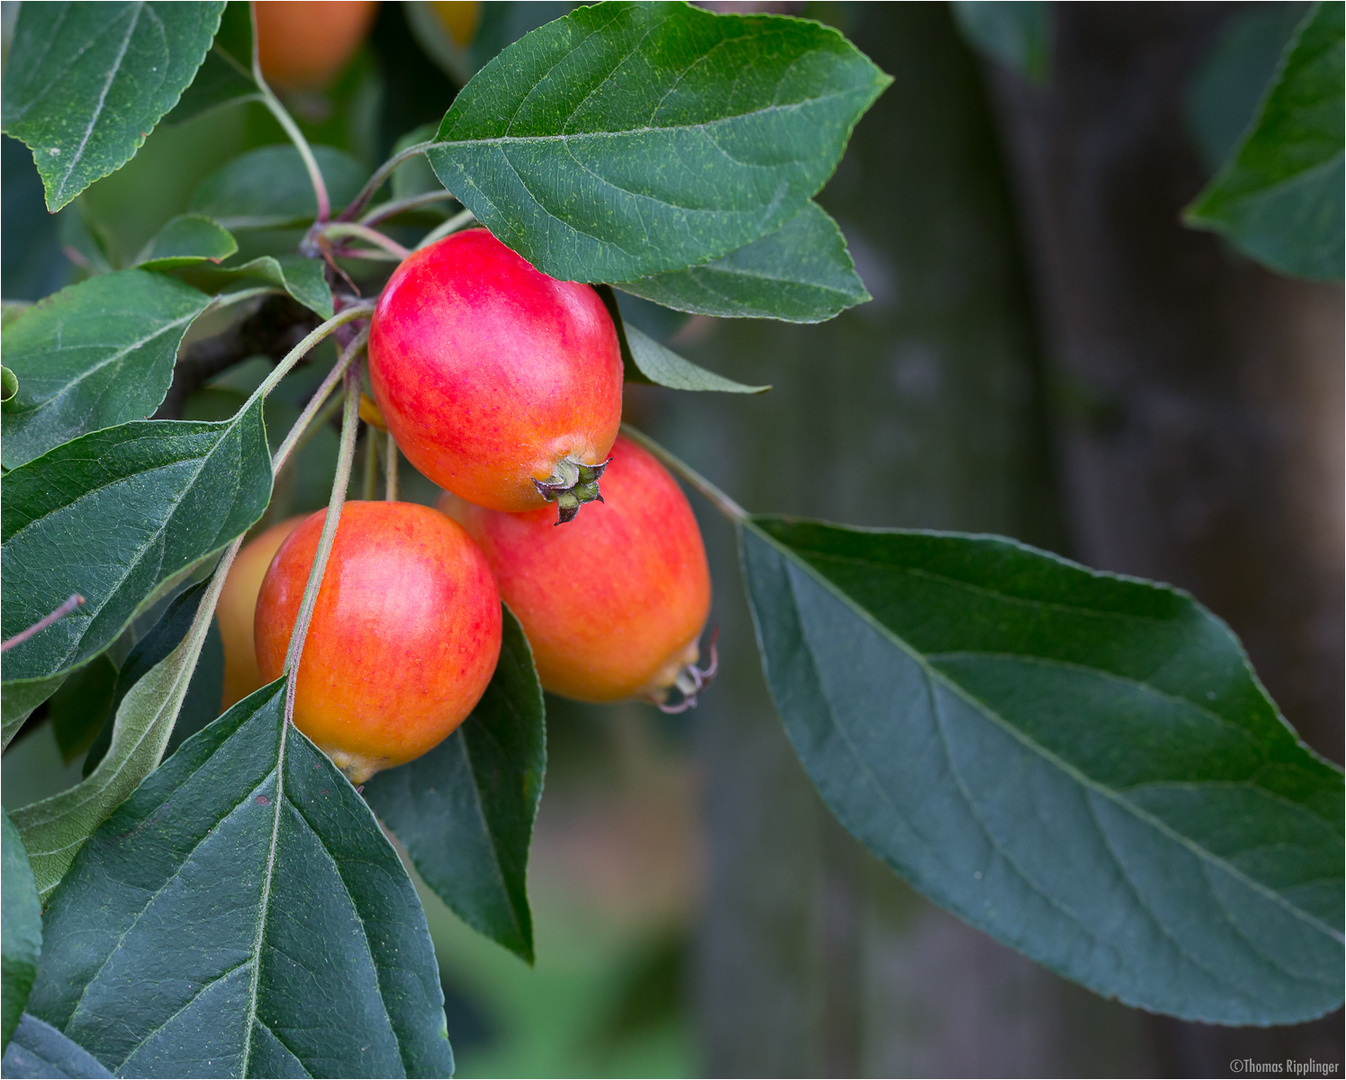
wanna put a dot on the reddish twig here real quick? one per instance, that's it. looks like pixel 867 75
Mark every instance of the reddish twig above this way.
pixel 60 613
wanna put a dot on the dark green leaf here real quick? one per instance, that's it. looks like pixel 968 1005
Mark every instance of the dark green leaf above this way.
pixel 86 83
pixel 625 139
pixel 1083 766
pixel 159 641
pixel 646 361
pixel 465 810
pixel 112 516
pixel 185 240
pixel 1015 33
pixel 20 699
pixel 802 272
pixel 20 927
pixel 54 829
pixel 226 73
pixel 32 264
pixel 95 355
pixel 269 188
pixel 78 709
pixel 1280 199
pixel 301 277
pixel 242 914
pixel 39 1050
pixel 1223 96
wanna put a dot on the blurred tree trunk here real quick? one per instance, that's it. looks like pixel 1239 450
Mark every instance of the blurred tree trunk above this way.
pixel 1195 411
pixel 1208 451
pixel 923 408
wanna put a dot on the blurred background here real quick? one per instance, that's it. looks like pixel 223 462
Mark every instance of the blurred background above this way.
pixel 1049 354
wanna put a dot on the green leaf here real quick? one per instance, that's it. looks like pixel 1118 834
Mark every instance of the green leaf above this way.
pixel 1222 97
pixel 226 74
pixel 625 139
pixel 85 84
pixel 1015 33
pixel 20 699
pixel 465 810
pixel 1280 199
pixel 56 828
pixel 77 710
pixel 96 354
pixel 802 272
pixel 159 641
pixel 11 310
pixel 301 277
pixel 114 515
pixel 9 384
pixel 242 914
pixel 269 188
pixel 187 239
pixel 646 361
pixel 39 1050
pixel 1082 765
pixel 20 927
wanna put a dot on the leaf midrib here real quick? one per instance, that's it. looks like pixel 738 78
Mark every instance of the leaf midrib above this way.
pixel 102 99
pixel 122 352
pixel 1080 778
pixel 93 612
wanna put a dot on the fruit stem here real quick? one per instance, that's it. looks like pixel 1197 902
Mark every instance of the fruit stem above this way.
pixel 364 232
pixel 717 498
pixel 350 422
pixel 390 471
pixel 401 206
pixel 371 481
pixel 459 221
pixel 286 121
pixel 297 433
pixel 341 318
pixel 224 300
pixel 380 175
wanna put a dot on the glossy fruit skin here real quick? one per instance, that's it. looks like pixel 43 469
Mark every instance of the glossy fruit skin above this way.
pixel 404 637
pixel 613 603
pixel 302 44
pixel 238 606
pixel 489 372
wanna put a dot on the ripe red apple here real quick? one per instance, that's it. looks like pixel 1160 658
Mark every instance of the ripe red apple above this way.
pixel 404 637
pixel 499 383
pixel 614 603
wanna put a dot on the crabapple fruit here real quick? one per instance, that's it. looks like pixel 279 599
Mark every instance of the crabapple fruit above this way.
pixel 302 44
pixel 614 603
pixel 499 383
pixel 238 605
pixel 404 637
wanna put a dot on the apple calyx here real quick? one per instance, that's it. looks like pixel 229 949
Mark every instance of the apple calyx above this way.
pixel 571 485
pixel 689 682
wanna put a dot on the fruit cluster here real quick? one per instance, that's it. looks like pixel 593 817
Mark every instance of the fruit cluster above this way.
pixel 504 387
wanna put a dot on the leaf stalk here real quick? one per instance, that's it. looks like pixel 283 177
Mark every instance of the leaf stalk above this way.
pixel 364 232
pixel 717 498
pixel 301 426
pixel 322 330
pixel 345 459
pixel 381 174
